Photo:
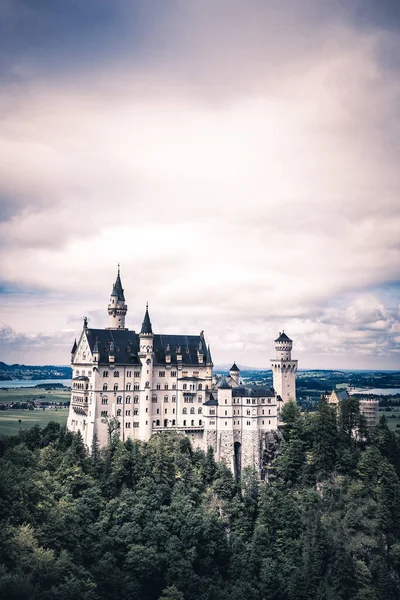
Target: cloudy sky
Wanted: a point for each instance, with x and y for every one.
(239, 158)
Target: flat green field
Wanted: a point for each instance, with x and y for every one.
(25, 394)
(9, 419)
(392, 417)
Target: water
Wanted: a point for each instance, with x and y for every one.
(25, 383)
(375, 391)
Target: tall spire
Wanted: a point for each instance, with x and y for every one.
(208, 356)
(118, 290)
(117, 308)
(146, 325)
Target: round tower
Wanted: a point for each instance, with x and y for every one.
(117, 308)
(234, 373)
(284, 369)
(146, 356)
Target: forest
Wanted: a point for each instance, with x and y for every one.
(162, 521)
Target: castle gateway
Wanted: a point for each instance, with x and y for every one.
(147, 382)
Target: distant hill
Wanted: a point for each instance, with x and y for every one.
(30, 372)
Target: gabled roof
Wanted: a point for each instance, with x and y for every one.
(146, 325)
(253, 392)
(223, 384)
(283, 338)
(126, 347)
(118, 289)
(234, 368)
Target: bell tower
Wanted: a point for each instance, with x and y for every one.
(284, 369)
(117, 308)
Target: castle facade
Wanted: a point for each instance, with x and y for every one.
(144, 383)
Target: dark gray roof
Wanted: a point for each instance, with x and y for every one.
(126, 346)
(253, 392)
(234, 368)
(117, 289)
(283, 338)
(80, 378)
(211, 402)
(341, 394)
(146, 325)
(208, 356)
(74, 347)
(223, 384)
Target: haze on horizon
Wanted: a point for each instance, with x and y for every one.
(238, 158)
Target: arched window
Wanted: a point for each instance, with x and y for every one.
(192, 411)
(199, 411)
(200, 422)
(147, 384)
(104, 400)
(184, 386)
(192, 423)
(173, 398)
(154, 398)
(135, 399)
(128, 400)
(200, 386)
(119, 400)
(116, 373)
(115, 387)
(165, 398)
(128, 386)
(105, 387)
(184, 423)
(118, 412)
(184, 411)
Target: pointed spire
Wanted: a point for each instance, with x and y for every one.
(208, 356)
(234, 368)
(74, 347)
(146, 325)
(118, 290)
(85, 323)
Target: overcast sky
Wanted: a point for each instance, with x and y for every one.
(239, 158)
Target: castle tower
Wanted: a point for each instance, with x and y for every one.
(146, 356)
(234, 372)
(117, 308)
(284, 369)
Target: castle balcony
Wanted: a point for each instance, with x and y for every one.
(179, 428)
(80, 402)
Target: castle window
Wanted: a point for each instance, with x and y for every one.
(104, 413)
(184, 411)
(147, 384)
(135, 411)
(212, 411)
(226, 413)
(192, 411)
(105, 387)
(200, 422)
(269, 411)
(128, 386)
(76, 373)
(199, 411)
(174, 386)
(173, 411)
(248, 400)
(192, 423)
(127, 425)
(173, 421)
(269, 421)
(184, 373)
(128, 400)
(184, 386)
(173, 373)
(154, 399)
(212, 422)
(116, 373)
(165, 411)
(226, 401)
(119, 400)
(158, 411)
(226, 423)
(127, 413)
(173, 398)
(158, 386)
(104, 400)
(137, 374)
(263, 422)
(184, 423)
(254, 401)
(262, 400)
(263, 412)
(206, 386)
(200, 398)
(269, 400)
(105, 373)
(115, 387)
(248, 422)
(135, 399)
(166, 386)
(200, 386)
(248, 412)
(135, 424)
(136, 387)
(165, 398)
(119, 412)
(161, 373)
(129, 373)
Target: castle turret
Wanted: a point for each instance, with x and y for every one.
(146, 357)
(284, 369)
(117, 308)
(234, 373)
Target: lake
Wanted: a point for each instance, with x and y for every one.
(25, 383)
(375, 391)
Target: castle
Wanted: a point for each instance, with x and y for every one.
(145, 383)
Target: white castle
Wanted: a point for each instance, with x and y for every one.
(147, 382)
